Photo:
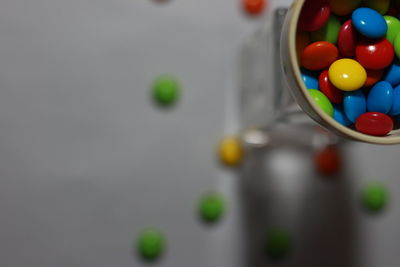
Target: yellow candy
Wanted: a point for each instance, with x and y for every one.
(230, 151)
(347, 74)
(343, 7)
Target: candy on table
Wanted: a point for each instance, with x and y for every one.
(166, 90)
(374, 197)
(278, 243)
(329, 32)
(347, 74)
(319, 55)
(230, 151)
(328, 89)
(380, 98)
(369, 22)
(310, 79)
(328, 161)
(359, 74)
(211, 207)
(375, 54)
(150, 244)
(343, 7)
(322, 101)
(254, 7)
(355, 104)
(347, 39)
(374, 123)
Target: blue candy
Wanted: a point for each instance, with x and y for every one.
(340, 116)
(393, 73)
(380, 98)
(310, 79)
(395, 110)
(369, 22)
(355, 104)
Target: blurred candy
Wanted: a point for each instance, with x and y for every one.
(211, 207)
(322, 101)
(254, 7)
(355, 104)
(230, 151)
(393, 73)
(343, 7)
(302, 41)
(393, 28)
(380, 98)
(319, 55)
(151, 244)
(347, 39)
(310, 79)
(166, 90)
(381, 6)
(328, 161)
(397, 45)
(330, 91)
(369, 22)
(329, 32)
(314, 15)
(374, 197)
(374, 123)
(395, 110)
(374, 54)
(373, 76)
(340, 116)
(278, 243)
(347, 74)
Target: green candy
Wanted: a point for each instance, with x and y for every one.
(393, 28)
(322, 101)
(211, 207)
(329, 32)
(166, 90)
(397, 45)
(374, 197)
(278, 244)
(151, 244)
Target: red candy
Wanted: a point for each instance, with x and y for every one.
(374, 123)
(330, 91)
(374, 54)
(319, 55)
(347, 39)
(328, 161)
(314, 15)
(373, 76)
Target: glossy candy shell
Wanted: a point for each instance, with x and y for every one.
(374, 123)
(347, 75)
(395, 110)
(369, 22)
(322, 101)
(329, 32)
(393, 28)
(310, 79)
(330, 91)
(347, 39)
(340, 116)
(355, 104)
(314, 15)
(380, 98)
(373, 76)
(393, 73)
(343, 7)
(375, 54)
(319, 55)
(397, 46)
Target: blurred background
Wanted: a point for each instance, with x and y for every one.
(88, 161)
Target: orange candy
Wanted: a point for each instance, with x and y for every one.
(373, 76)
(319, 55)
(328, 161)
(254, 7)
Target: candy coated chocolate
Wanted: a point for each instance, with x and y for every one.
(374, 54)
(380, 98)
(369, 22)
(314, 15)
(374, 123)
(347, 39)
(355, 104)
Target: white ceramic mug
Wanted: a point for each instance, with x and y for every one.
(299, 91)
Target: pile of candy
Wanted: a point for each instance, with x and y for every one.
(349, 54)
